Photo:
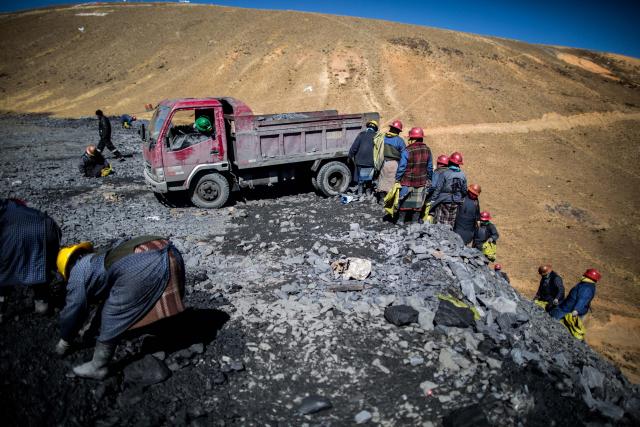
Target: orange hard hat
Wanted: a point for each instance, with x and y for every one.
(475, 189)
(91, 150)
(545, 269)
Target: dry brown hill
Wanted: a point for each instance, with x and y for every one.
(550, 133)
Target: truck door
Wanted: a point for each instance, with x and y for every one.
(186, 147)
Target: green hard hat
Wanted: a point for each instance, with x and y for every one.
(203, 124)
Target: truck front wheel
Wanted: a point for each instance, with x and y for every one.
(333, 178)
(211, 191)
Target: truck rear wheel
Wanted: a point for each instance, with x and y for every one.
(211, 191)
(333, 178)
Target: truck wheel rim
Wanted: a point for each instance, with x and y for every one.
(209, 191)
(335, 180)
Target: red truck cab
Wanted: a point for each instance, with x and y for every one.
(245, 150)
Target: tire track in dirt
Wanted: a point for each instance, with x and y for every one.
(549, 121)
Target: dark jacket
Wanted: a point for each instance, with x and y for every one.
(551, 287)
(503, 275)
(362, 149)
(579, 299)
(467, 219)
(104, 128)
(92, 166)
(419, 170)
(483, 233)
(451, 187)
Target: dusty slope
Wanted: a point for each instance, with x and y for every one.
(543, 129)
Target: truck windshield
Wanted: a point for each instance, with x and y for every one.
(159, 116)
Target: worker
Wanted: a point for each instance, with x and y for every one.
(497, 268)
(136, 282)
(395, 158)
(361, 154)
(442, 163)
(486, 236)
(104, 130)
(449, 192)
(416, 178)
(127, 121)
(551, 289)
(573, 308)
(203, 125)
(93, 164)
(30, 242)
(468, 214)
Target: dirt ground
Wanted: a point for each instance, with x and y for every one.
(550, 133)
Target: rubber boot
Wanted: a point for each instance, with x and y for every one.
(359, 190)
(97, 368)
(118, 155)
(402, 216)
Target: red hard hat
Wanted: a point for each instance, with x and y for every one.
(497, 267)
(396, 124)
(416, 133)
(592, 274)
(485, 216)
(456, 158)
(443, 159)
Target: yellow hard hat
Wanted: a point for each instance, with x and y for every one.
(67, 253)
(373, 122)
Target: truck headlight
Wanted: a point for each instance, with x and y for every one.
(159, 173)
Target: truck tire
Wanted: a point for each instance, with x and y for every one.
(211, 191)
(333, 178)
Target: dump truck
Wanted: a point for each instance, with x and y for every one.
(244, 150)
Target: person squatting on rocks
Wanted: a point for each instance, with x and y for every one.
(449, 193)
(497, 268)
(395, 158)
(104, 130)
(93, 164)
(127, 121)
(136, 282)
(416, 178)
(486, 236)
(30, 242)
(576, 305)
(551, 289)
(361, 153)
(468, 214)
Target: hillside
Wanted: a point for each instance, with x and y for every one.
(550, 133)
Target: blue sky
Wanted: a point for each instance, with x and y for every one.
(610, 26)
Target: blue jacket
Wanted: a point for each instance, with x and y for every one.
(579, 299)
(398, 144)
(451, 187)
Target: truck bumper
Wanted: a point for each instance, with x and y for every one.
(156, 186)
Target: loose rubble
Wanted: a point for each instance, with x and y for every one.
(274, 335)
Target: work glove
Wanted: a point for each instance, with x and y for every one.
(555, 301)
(574, 313)
(62, 348)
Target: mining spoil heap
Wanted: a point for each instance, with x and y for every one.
(549, 132)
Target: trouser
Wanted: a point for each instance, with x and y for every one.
(107, 143)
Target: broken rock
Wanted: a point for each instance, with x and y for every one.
(146, 371)
(313, 404)
(401, 315)
(450, 315)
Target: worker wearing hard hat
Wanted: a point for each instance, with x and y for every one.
(136, 282)
(576, 305)
(551, 288)
(361, 154)
(30, 241)
(93, 164)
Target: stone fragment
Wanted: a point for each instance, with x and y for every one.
(363, 417)
(401, 315)
(450, 315)
(313, 404)
(146, 371)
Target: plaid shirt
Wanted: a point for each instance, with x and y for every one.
(416, 173)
